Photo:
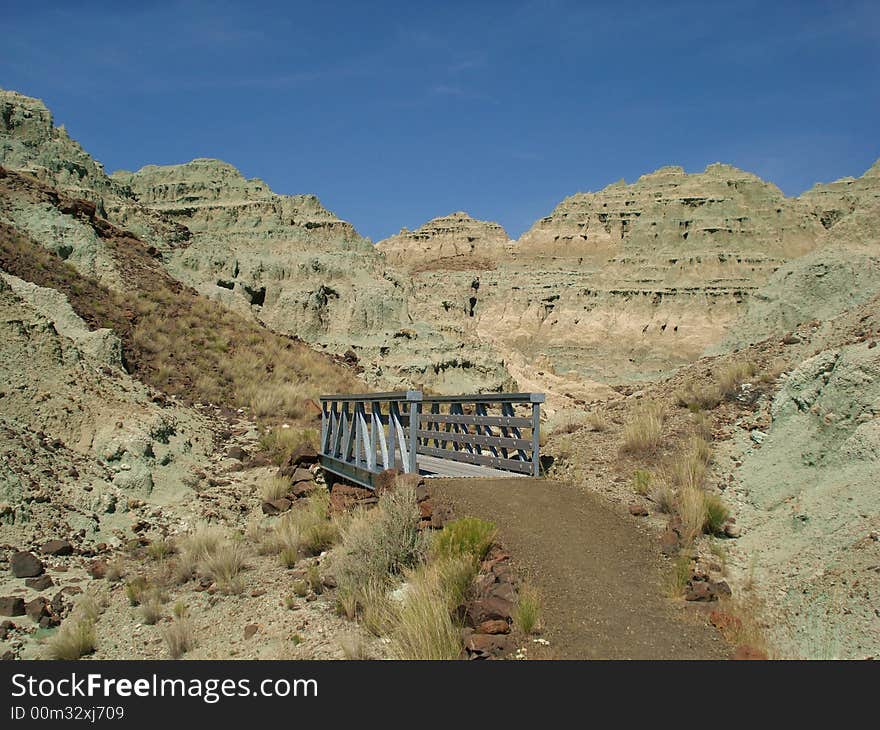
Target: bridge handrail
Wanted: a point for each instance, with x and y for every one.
(355, 444)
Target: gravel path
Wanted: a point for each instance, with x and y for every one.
(600, 577)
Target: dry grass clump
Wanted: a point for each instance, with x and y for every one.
(424, 628)
(644, 431)
(135, 589)
(225, 565)
(377, 608)
(696, 397)
(731, 375)
(160, 549)
(280, 443)
(664, 497)
(76, 636)
(179, 637)
(689, 466)
(691, 508)
(354, 648)
(680, 574)
(303, 531)
(115, 571)
(700, 512)
(706, 396)
(528, 610)
(74, 639)
(573, 421)
(211, 552)
(772, 372)
(275, 487)
(596, 421)
(151, 607)
(717, 513)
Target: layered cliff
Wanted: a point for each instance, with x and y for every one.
(454, 236)
(625, 283)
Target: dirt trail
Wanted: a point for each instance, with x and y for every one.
(599, 575)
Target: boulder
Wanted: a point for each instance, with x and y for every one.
(25, 565)
(276, 506)
(638, 510)
(301, 455)
(490, 608)
(40, 583)
(484, 646)
(426, 509)
(57, 547)
(302, 489)
(11, 606)
(494, 626)
(37, 609)
(250, 630)
(346, 496)
(237, 453)
(97, 569)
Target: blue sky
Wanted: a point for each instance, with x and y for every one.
(393, 113)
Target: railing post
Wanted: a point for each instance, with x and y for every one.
(536, 399)
(415, 406)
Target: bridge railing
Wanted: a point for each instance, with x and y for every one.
(364, 434)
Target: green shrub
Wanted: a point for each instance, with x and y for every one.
(379, 543)
(717, 513)
(528, 610)
(642, 480)
(469, 536)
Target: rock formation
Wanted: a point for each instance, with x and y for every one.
(454, 235)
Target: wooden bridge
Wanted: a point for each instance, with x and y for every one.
(479, 435)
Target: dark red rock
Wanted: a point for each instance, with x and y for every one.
(699, 591)
(302, 489)
(37, 609)
(426, 509)
(57, 547)
(25, 565)
(483, 646)
(276, 506)
(250, 630)
(237, 453)
(503, 590)
(638, 510)
(301, 475)
(487, 609)
(97, 569)
(11, 606)
(40, 583)
(494, 626)
(346, 496)
(301, 455)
